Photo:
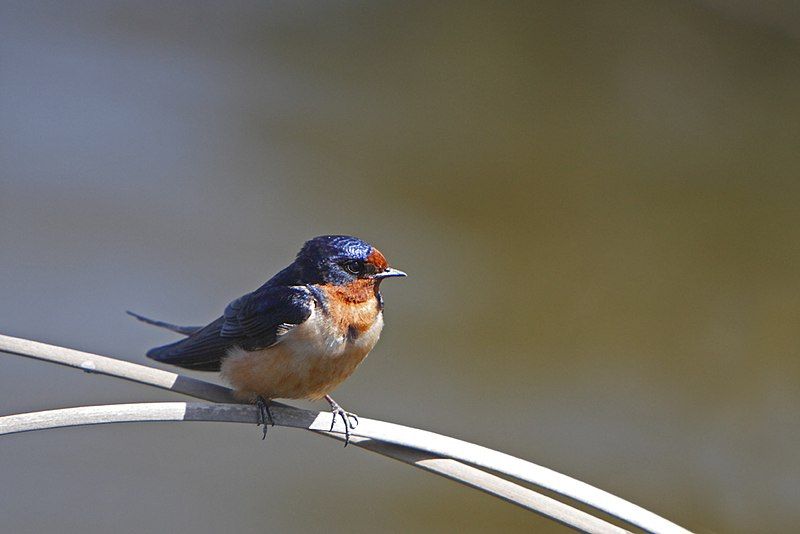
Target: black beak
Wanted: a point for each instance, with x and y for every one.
(389, 272)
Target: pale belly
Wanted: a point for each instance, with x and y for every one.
(308, 362)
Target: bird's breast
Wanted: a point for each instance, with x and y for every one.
(336, 333)
(312, 358)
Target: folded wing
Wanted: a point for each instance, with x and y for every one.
(254, 321)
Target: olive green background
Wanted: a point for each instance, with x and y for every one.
(597, 204)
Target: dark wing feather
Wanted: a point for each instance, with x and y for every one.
(254, 321)
(258, 319)
(201, 351)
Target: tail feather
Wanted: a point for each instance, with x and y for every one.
(185, 330)
(202, 349)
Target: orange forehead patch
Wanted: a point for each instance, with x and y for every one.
(377, 259)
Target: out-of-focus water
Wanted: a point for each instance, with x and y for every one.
(597, 205)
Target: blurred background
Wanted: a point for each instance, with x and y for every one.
(597, 203)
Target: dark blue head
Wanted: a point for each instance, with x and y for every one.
(342, 259)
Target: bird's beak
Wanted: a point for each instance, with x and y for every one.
(389, 272)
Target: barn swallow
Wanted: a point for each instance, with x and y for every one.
(297, 336)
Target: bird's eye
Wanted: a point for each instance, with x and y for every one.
(354, 267)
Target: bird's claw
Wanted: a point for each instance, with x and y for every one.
(264, 415)
(350, 420)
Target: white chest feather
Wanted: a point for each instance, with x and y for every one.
(321, 337)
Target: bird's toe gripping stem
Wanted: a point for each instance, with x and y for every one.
(264, 415)
(350, 420)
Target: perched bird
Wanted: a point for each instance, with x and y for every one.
(297, 336)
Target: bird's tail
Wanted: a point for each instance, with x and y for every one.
(185, 330)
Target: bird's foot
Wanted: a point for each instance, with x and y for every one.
(350, 420)
(264, 415)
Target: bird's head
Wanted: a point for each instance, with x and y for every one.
(342, 259)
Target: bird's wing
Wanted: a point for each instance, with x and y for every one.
(255, 321)
(258, 320)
